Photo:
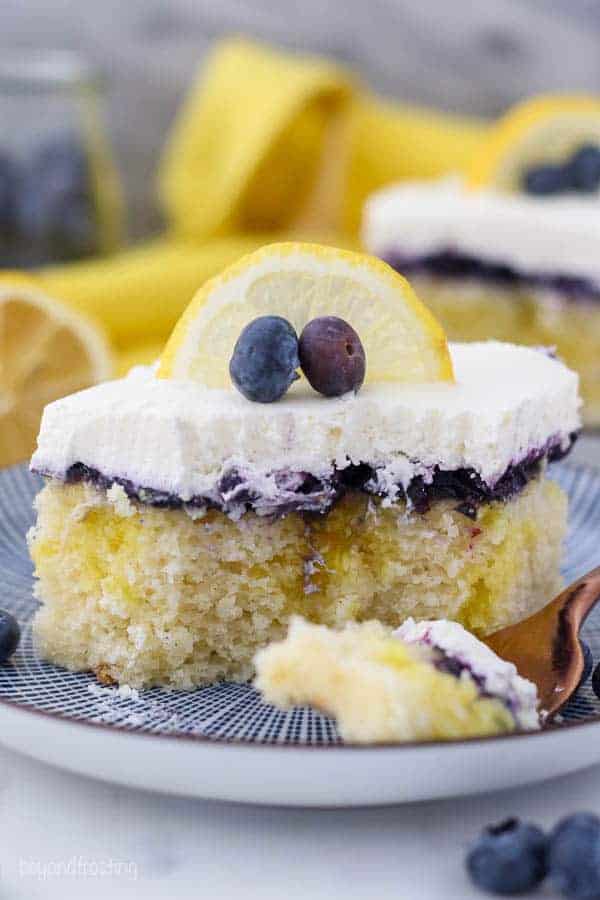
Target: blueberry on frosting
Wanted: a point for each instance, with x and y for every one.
(267, 354)
(332, 356)
(545, 180)
(580, 172)
(583, 169)
(265, 359)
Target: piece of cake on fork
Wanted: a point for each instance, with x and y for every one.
(182, 524)
(422, 681)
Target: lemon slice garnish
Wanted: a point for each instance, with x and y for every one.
(403, 342)
(46, 352)
(546, 129)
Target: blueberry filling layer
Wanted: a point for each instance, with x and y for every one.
(453, 665)
(451, 264)
(279, 493)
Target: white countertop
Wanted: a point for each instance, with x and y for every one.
(167, 846)
(190, 849)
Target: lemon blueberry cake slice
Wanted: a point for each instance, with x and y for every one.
(185, 518)
(423, 681)
(511, 251)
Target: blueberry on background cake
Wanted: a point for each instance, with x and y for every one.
(182, 525)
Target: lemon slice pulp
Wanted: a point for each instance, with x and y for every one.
(403, 342)
(545, 129)
(46, 352)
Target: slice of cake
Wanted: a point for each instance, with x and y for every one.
(421, 682)
(182, 525)
(511, 251)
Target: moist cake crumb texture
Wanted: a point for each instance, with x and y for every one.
(148, 596)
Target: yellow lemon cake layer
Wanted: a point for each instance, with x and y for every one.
(143, 596)
(428, 681)
(182, 526)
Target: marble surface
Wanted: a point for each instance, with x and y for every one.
(170, 847)
(63, 836)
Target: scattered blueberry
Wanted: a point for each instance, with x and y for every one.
(509, 858)
(596, 681)
(545, 180)
(10, 634)
(588, 662)
(332, 356)
(583, 169)
(265, 359)
(574, 857)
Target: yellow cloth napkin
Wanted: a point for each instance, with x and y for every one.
(266, 145)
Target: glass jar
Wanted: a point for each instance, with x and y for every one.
(59, 191)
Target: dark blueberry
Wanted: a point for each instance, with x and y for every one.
(545, 180)
(265, 359)
(588, 661)
(574, 857)
(332, 356)
(509, 858)
(10, 634)
(583, 169)
(596, 681)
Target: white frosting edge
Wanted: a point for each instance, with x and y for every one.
(499, 677)
(534, 235)
(180, 437)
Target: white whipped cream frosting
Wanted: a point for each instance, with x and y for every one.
(558, 235)
(180, 436)
(497, 676)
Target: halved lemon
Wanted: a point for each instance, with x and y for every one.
(46, 352)
(403, 341)
(545, 129)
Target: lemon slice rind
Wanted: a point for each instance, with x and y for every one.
(46, 352)
(545, 129)
(403, 342)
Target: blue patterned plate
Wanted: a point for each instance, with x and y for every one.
(227, 717)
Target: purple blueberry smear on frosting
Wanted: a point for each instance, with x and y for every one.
(456, 652)
(238, 490)
(449, 263)
(332, 356)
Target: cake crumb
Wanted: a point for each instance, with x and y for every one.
(103, 675)
(121, 502)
